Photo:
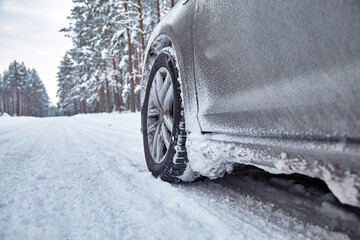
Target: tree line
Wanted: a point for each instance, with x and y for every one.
(22, 93)
(102, 72)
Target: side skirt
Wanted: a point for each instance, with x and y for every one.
(337, 163)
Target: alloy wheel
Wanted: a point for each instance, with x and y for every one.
(160, 115)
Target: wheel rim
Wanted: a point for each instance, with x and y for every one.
(160, 115)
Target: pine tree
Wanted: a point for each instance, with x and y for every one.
(22, 92)
(109, 39)
(66, 86)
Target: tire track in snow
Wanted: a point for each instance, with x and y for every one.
(16, 177)
(148, 188)
(16, 125)
(86, 178)
(222, 211)
(271, 215)
(108, 127)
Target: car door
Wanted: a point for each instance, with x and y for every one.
(278, 68)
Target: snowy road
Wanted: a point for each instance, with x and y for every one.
(84, 177)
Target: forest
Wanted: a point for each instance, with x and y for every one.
(22, 93)
(102, 72)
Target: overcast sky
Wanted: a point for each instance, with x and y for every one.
(29, 32)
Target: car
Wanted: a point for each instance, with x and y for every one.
(274, 84)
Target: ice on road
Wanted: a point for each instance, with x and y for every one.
(84, 177)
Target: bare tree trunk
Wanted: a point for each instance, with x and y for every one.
(83, 106)
(142, 39)
(6, 106)
(130, 68)
(23, 107)
(109, 106)
(101, 99)
(13, 104)
(158, 10)
(32, 110)
(117, 98)
(74, 103)
(172, 3)
(17, 102)
(120, 89)
(142, 52)
(4, 103)
(137, 79)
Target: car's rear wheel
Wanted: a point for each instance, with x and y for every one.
(163, 123)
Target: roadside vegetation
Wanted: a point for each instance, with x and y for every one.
(22, 93)
(102, 72)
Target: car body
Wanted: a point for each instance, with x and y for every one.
(275, 84)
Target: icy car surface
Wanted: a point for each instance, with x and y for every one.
(275, 84)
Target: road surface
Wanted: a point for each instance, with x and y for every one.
(84, 177)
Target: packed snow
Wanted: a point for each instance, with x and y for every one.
(213, 155)
(85, 177)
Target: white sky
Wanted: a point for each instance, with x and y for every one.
(29, 32)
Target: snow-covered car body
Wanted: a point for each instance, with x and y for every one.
(273, 84)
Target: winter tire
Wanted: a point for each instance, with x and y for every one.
(163, 123)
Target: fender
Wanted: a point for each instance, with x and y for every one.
(171, 32)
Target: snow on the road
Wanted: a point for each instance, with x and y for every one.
(84, 177)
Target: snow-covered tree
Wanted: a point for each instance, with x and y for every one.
(109, 39)
(66, 83)
(22, 92)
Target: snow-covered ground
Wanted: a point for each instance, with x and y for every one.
(84, 177)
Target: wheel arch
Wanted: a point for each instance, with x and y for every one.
(165, 35)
